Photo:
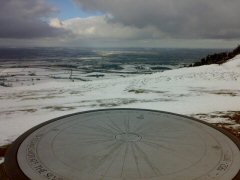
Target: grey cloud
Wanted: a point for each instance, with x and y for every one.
(210, 19)
(25, 19)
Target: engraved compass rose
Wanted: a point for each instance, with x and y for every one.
(126, 144)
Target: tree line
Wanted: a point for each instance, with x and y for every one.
(217, 58)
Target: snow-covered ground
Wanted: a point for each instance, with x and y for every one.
(190, 91)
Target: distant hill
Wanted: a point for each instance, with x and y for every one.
(217, 58)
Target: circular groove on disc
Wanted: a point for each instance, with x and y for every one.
(116, 144)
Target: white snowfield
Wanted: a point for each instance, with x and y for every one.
(189, 91)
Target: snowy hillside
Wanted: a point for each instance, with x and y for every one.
(202, 92)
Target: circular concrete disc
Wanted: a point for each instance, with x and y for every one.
(127, 144)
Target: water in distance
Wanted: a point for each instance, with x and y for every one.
(93, 63)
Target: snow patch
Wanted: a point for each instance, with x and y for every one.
(188, 91)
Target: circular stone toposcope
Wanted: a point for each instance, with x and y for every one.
(116, 144)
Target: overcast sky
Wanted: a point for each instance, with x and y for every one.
(120, 23)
